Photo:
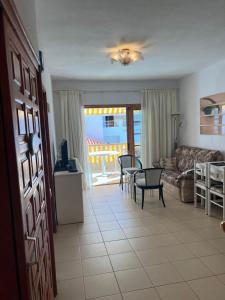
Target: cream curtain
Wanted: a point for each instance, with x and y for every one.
(72, 115)
(157, 124)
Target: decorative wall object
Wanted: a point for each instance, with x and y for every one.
(212, 115)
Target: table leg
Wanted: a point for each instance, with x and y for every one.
(131, 185)
(104, 166)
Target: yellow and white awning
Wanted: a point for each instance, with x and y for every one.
(105, 111)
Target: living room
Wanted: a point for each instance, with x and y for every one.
(118, 171)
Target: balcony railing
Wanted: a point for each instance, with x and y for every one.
(97, 160)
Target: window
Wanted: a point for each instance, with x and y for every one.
(109, 121)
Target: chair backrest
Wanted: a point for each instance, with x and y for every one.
(138, 163)
(127, 161)
(152, 176)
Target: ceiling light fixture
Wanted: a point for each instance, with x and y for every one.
(125, 53)
(126, 56)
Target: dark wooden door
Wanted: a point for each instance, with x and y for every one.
(9, 288)
(26, 166)
(49, 163)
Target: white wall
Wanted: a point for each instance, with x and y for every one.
(193, 87)
(26, 10)
(112, 91)
(47, 82)
(105, 92)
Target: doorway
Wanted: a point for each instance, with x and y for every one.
(111, 131)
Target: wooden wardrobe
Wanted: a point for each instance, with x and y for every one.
(27, 265)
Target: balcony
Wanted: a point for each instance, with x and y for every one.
(104, 162)
(108, 129)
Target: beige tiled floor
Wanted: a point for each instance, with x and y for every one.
(163, 274)
(133, 279)
(124, 253)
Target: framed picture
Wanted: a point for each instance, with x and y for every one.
(212, 114)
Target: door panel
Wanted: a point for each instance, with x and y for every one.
(9, 288)
(134, 129)
(49, 180)
(23, 77)
(137, 124)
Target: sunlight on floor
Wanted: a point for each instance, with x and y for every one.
(109, 178)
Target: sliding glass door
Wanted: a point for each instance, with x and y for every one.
(134, 124)
(106, 136)
(111, 131)
(137, 117)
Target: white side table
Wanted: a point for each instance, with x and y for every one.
(69, 197)
(130, 175)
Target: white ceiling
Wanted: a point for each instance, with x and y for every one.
(183, 36)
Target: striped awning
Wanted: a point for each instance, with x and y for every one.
(105, 111)
(92, 142)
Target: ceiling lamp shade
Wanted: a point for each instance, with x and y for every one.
(125, 53)
(125, 56)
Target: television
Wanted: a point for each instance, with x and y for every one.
(64, 152)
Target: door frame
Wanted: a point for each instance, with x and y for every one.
(50, 188)
(130, 121)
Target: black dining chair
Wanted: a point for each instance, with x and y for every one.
(129, 164)
(148, 179)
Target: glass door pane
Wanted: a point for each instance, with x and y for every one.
(106, 134)
(137, 124)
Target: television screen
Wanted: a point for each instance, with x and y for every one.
(64, 152)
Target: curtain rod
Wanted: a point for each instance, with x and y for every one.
(101, 91)
(113, 91)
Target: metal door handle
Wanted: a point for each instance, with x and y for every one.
(34, 240)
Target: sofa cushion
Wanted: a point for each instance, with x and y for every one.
(208, 155)
(185, 157)
(168, 163)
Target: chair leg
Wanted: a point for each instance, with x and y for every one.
(135, 194)
(122, 181)
(209, 204)
(161, 194)
(143, 198)
(223, 209)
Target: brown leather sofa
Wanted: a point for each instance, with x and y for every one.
(178, 176)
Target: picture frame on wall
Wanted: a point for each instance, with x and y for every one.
(212, 115)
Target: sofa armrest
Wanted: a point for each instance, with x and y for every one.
(186, 175)
(190, 171)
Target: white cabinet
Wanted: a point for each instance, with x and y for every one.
(69, 197)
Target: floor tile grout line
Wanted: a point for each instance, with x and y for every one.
(209, 267)
(153, 285)
(151, 248)
(112, 267)
(115, 271)
(193, 289)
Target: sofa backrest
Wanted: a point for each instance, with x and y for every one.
(186, 155)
